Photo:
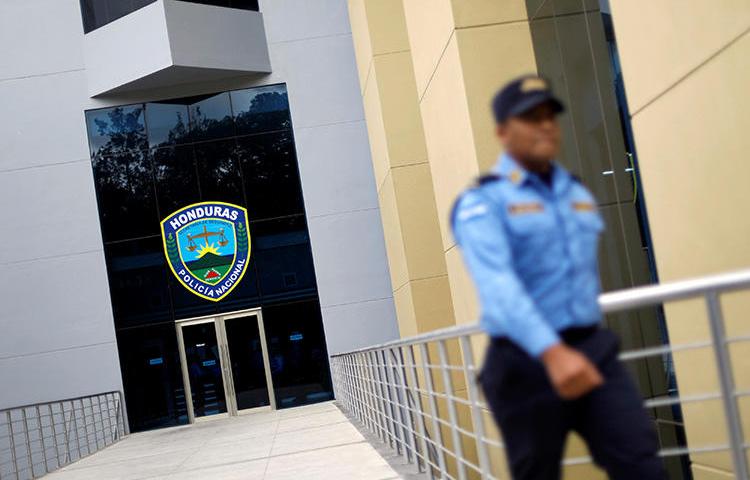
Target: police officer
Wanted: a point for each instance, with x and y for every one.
(529, 233)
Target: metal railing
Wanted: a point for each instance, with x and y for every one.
(420, 394)
(38, 439)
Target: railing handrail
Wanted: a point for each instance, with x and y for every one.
(609, 302)
(50, 402)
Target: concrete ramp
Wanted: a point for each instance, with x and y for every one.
(304, 443)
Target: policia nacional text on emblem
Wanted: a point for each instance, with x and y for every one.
(207, 247)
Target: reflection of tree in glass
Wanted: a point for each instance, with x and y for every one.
(271, 177)
(177, 134)
(268, 111)
(123, 130)
(205, 127)
(122, 172)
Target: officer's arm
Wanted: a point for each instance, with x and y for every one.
(484, 243)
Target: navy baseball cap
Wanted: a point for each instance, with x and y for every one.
(521, 95)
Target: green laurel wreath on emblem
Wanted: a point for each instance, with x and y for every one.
(172, 253)
(241, 237)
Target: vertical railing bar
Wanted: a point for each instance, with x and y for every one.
(54, 435)
(433, 407)
(408, 398)
(75, 426)
(112, 435)
(362, 392)
(353, 388)
(28, 440)
(41, 438)
(352, 391)
(13, 456)
(407, 427)
(386, 405)
(726, 382)
(100, 423)
(382, 432)
(418, 405)
(448, 385)
(476, 411)
(395, 410)
(368, 392)
(122, 415)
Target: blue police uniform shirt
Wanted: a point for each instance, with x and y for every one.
(531, 249)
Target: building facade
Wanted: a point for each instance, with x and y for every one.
(315, 149)
(654, 122)
(119, 114)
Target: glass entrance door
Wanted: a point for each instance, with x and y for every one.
(225, 364)
(204, 367)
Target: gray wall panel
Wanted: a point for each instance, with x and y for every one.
(42, 121)
(39, 37)
(335, 168)
(74, 311)
(50, 210)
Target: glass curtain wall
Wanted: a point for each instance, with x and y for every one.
(154, 158)
(576, 51)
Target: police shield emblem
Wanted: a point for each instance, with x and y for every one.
(207, 246)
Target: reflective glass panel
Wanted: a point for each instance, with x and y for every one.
(211, 117)
(219, 172)
(246, 358)
(152, 377)
(261, 109)
(125, 189)
(176, 178)
(168, 124)
(116, 130)
(269, 170)
(204, 369)
(282, 251)
(297, 353)
(138, 282)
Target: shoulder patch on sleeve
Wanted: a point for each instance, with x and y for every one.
(464, 209)
(486, 178)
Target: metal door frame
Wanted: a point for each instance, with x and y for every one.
(225, 362)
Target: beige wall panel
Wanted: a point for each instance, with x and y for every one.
(400, 109)
(691, 148)
(661, 41)
(450, 144)
(484, 12)
(490, 57)
(432, 303)
(465, 300)
(701, 472)
(387, 26)
(690, 144)
(376, 130)
(394, 241)
(418, 217)
(407, 317)
(361, 39)
(430, 26)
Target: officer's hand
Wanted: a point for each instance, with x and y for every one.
(571, 373)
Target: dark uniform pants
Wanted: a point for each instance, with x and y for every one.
(535, 421)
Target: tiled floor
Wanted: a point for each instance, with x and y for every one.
(305, 443)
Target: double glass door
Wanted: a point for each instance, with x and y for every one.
(225, 365)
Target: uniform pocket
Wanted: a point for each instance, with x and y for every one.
(588, 226)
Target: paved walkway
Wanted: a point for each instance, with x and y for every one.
(305, 443)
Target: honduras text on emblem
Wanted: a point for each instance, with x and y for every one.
(207, 247)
